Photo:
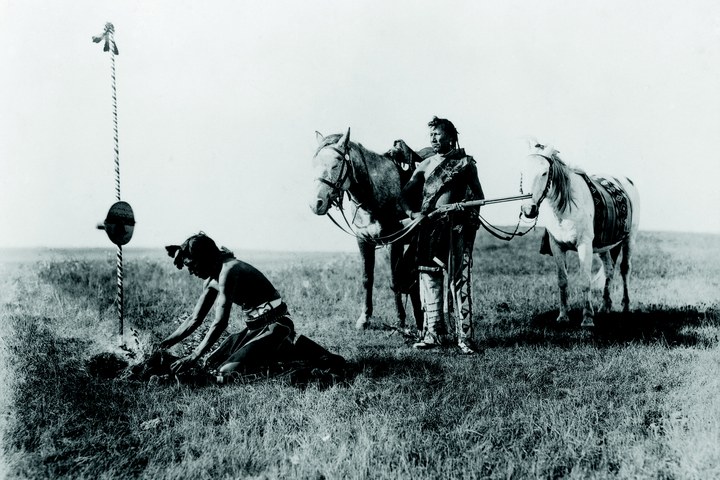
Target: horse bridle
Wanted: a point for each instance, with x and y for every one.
(336, 197)
(547, 183)
(345, 167)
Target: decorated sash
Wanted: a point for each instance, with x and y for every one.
(442, 176)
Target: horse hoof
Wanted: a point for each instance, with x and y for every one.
(587, 322)
(362, 323)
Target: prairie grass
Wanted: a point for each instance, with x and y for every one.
(635, 398)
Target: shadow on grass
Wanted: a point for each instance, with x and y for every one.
(301, 376)
(373, 363)
(65, 418)
(673, 327)
(375, 366)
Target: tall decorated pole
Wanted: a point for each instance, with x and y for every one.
(120, 222)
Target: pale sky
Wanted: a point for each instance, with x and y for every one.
(218, 102)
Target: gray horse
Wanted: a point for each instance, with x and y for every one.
(373, 183)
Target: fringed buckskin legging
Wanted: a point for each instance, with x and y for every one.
(457, 294)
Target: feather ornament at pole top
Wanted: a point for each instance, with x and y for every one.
(107, 35)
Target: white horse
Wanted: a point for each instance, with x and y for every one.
(583, 213)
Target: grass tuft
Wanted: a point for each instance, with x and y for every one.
(633, 398)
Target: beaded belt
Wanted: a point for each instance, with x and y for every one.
(263, 308)
(264, 314)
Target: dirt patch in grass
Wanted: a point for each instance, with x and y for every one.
(106, 365)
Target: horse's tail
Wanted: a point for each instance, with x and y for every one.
(632, 191)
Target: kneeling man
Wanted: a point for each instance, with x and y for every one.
(269, 336)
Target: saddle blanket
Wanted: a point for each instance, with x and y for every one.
(613, 212)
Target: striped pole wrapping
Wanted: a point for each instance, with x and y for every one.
(115, 118)
(108, 36)
(120, 290)
(120, 296)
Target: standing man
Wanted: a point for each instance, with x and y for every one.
(444, 242)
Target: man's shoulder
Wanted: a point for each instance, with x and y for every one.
(462, 155)
(236, 265)
(231, 267)
(467, 161)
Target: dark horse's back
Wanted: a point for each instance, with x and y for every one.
(406, 159)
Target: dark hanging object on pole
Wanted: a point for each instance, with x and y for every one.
(120, 221)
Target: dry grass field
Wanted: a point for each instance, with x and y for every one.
(637, 397)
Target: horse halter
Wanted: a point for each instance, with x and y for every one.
(345, 167)
(547, 183)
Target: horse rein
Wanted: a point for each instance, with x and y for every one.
(336, 196)
(507, 236)
(547, 183)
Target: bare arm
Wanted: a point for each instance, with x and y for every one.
(202, 307)
(222, 318)
(223, 300)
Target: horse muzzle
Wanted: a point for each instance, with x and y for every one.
(530, 210)
(321, 198)
(320, 206)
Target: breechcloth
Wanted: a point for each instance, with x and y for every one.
(269, 342)
(268, 339)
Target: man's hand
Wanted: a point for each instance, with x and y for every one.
(450, 207)
(158, 346)
(405, 222)
(183, 364)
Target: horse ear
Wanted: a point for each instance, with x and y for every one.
(319, 137)
(538, 145)
(172, 250)
(531, 142)
(344, 140)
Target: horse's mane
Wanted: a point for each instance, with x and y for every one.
(371, 193)
(329, 140)
(333, 139)
(559, 176)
